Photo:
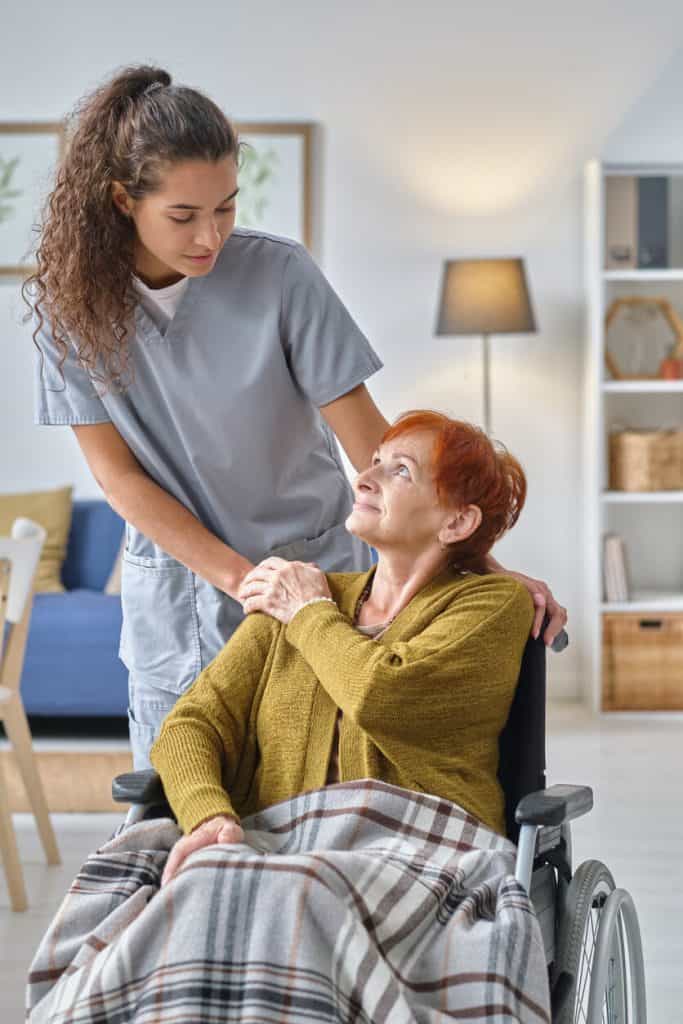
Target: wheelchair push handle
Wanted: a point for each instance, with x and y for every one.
(560, 642)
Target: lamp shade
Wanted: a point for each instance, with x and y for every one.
(488, 296)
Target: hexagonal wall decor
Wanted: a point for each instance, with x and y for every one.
(666, 310)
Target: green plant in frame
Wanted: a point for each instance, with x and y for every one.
(256, 174)
(7, 169)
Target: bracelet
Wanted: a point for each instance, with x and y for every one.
(314, 600)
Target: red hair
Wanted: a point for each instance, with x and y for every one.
(470, 469)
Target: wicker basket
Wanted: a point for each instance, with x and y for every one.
(642, 662)
(646, 460)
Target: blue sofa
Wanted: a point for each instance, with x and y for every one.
(72, 666)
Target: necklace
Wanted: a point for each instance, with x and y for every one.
(365, 594)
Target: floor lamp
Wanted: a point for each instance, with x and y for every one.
(485, 296)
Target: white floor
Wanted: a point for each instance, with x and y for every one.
(634, 767)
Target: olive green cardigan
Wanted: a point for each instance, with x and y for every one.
(423, 705)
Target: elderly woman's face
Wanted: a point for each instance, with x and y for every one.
(396, 504)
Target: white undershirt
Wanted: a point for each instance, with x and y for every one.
(160, 303)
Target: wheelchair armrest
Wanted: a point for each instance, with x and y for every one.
(142, 787)
(554, 806)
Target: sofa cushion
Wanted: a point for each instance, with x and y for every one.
(52, 510)
(94, 542)
(71, 665)
(113, 584)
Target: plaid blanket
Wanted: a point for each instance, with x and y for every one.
(360, 902)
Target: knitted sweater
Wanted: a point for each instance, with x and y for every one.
(423, 706)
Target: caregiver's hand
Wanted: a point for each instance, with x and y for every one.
(279, 588)
(543, 599)
(220, 829)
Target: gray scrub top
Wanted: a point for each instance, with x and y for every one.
(222, 412)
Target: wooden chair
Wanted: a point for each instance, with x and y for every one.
(19, 555)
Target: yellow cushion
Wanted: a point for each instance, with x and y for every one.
(52, 509)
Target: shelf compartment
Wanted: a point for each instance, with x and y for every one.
(643, 661)
(654, 554)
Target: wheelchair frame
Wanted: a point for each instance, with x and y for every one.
(585, 920)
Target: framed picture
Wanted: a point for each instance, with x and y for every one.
(275, 179)
(275, 183)
(29, 153)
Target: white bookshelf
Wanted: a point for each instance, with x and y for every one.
(651, 523)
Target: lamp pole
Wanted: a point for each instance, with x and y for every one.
(487, 383)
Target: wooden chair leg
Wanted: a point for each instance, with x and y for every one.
(10, 853)
(19, 735)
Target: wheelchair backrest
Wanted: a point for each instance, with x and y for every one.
(521, 768)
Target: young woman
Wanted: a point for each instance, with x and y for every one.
(207, 372)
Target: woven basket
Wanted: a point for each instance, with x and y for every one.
(642, 662)
(646, 460)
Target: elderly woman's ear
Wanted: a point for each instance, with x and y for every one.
(460, 525)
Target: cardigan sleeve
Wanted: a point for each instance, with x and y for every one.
(421, 692)
(201, 740)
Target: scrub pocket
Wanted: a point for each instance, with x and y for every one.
(160, 633)
(147, 709)
(334, 550)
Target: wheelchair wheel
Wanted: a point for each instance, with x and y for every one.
(586, 897)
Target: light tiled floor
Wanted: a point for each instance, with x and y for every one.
(635, 768)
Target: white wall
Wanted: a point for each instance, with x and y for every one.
(445, 130)
(652, 130)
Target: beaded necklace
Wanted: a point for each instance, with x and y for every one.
(365, 594)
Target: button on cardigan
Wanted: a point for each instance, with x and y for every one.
(423, 706)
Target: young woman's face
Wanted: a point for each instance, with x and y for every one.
(182, 227)
(396, 505)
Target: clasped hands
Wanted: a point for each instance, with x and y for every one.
(280, 588)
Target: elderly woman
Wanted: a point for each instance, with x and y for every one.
(403, 674)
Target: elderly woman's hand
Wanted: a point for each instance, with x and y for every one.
(280, 588)
(220, 829)
(544, 602)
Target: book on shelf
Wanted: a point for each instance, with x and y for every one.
(643, 221)
(653, 226)
(615, 569)
(621, 223)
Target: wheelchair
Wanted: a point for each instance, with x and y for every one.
(589, 926)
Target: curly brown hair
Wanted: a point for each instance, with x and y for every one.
(129, 130)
